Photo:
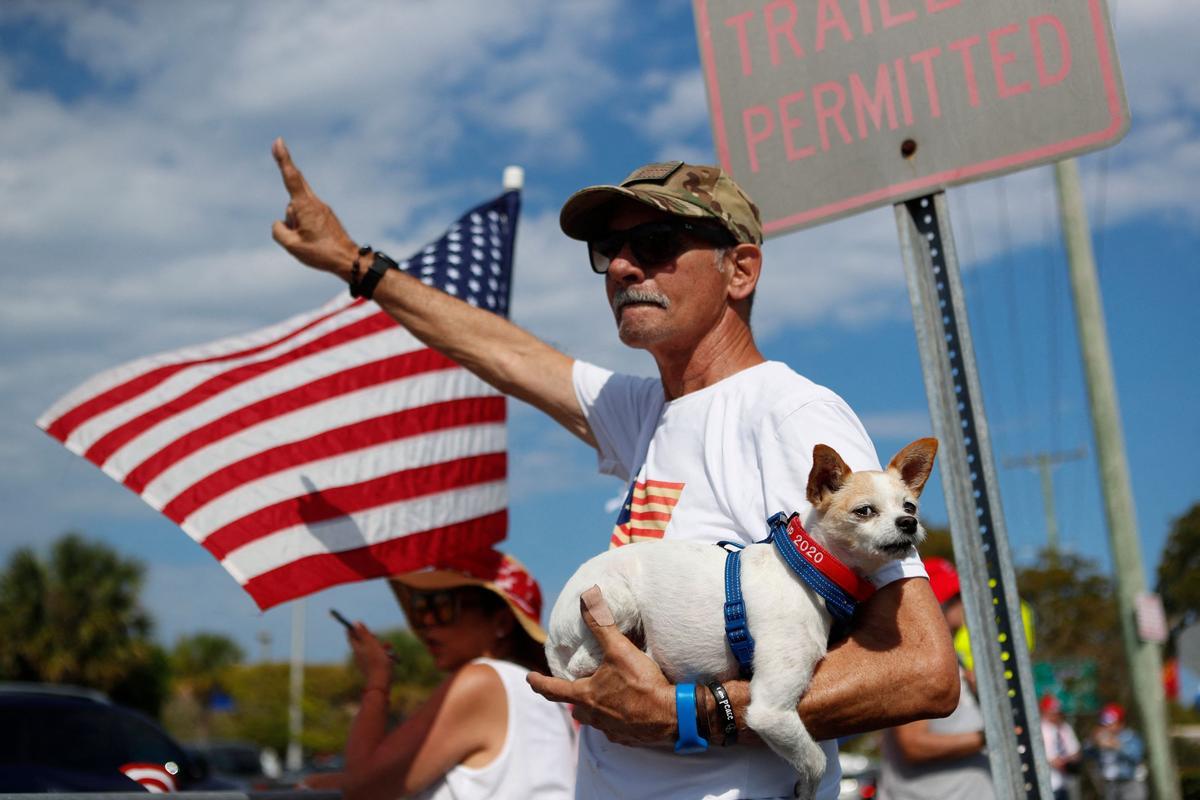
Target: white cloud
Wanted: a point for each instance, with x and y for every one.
(683, 109)
(1157, 48)
(137, 211)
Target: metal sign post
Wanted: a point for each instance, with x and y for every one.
(825, 109)
(1002, 672)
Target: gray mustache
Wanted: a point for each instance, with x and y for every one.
(634, 294)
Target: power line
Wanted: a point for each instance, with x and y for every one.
(1073, 486)
(1053, 318)
(974, 290)
(1043, 462)
(1016, 341)
(1101, 202)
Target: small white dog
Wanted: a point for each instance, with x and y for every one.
(672, 593)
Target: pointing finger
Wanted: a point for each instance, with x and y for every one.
(293, 179)
(553, 689)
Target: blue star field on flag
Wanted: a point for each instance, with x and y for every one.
(473, 259)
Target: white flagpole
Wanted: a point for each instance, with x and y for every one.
(295, 754)
(514, 177)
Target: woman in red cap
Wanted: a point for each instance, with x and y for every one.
(483, 733)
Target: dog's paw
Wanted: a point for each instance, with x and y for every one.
(583, 662)
(806, 787)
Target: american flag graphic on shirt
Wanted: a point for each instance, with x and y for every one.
(646, 512)
(331, 447)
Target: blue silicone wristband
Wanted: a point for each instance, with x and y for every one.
(689, 741)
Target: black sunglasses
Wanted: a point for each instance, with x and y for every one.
(440, 607)
(652, 243)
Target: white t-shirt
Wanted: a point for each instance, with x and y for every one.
(964, 778)
(712, 465)
(1060, 742)
(539, 754)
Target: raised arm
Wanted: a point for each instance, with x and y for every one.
(502, 354)
(465, 720)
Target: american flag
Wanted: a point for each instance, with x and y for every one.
(332, 447)
(646, 512)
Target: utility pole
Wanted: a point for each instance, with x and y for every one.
(1042, 462)
(1145, 658)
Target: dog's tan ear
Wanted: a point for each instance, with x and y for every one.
(828, 473)
(914, 463)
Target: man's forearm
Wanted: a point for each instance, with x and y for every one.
(504, 355)
(482, 341)
(897, 666)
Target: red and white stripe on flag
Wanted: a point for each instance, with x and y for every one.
(329, 448)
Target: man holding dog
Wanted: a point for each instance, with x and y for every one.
(719, 442)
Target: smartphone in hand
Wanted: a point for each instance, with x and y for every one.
(333, 612)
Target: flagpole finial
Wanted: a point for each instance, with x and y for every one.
(514, 177)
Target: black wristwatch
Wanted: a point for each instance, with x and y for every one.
(365, 286)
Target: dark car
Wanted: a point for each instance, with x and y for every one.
(239, 763)
(66, 739)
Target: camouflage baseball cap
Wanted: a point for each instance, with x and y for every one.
(683, 190)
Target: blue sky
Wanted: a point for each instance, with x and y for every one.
(138, 193)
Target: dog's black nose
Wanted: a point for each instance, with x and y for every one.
(907, 525)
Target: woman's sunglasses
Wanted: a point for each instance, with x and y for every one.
(652, 243)
(440, 607)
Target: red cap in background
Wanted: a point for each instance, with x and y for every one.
(943, 578)
(1111, 713)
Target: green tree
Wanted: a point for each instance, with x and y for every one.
(1075, 617)
(260, 706)
(332, 693)
(415, 674)
(75, 617)
(1179, 569)
(198, 661)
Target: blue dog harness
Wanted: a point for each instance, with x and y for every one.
(737, 631)
(838, 585)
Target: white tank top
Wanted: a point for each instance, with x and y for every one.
(539, 754)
